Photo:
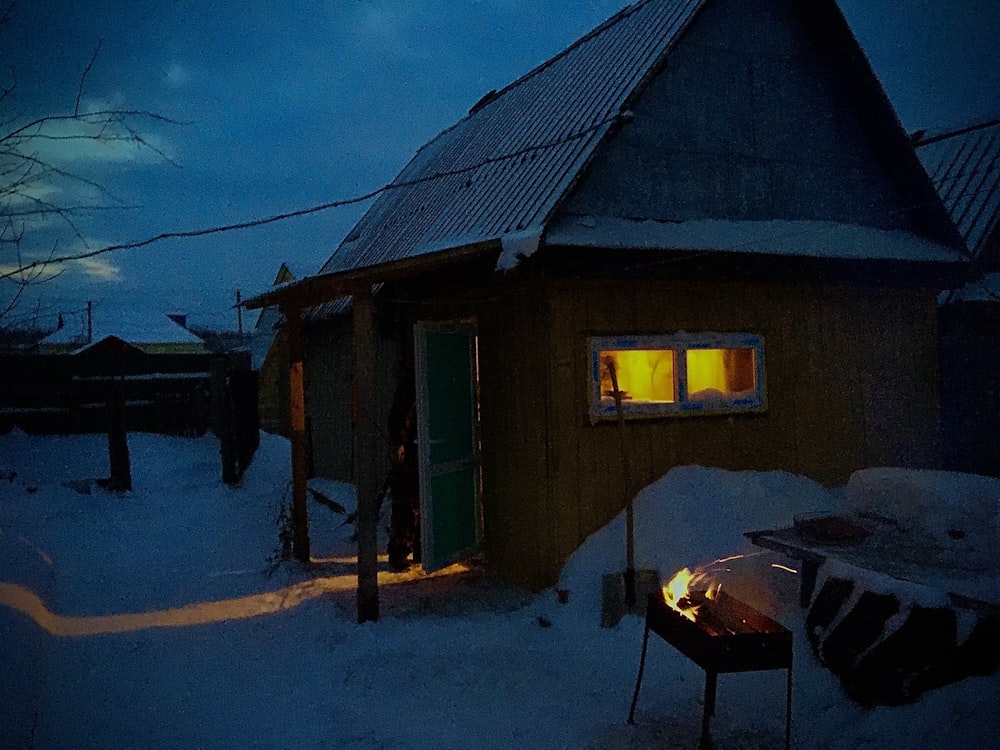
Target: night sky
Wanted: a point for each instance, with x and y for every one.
(286, 104)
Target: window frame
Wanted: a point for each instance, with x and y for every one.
(680, 344)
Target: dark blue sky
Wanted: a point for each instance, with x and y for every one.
(292, 103)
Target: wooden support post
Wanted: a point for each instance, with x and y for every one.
(118, 456)
(366, 454)
(297, 409)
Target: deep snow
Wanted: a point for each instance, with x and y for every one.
(158, 619)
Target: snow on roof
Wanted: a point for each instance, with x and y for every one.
(156, 329)
(817, 239)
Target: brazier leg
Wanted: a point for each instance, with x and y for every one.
(788, 713)
(711, 679)
(638, 679)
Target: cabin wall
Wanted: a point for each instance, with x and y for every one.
(749, 120)
(514, 362)
(851, 381)
(851, 378)
(328, 372)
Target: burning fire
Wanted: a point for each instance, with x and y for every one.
(680, 595)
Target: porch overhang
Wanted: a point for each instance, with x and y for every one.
(294, 297)
(324, 287)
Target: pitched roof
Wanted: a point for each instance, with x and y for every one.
(503, 167)
(158, 329)
(267, 323)
(964, 165)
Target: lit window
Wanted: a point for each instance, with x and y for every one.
(683, 373)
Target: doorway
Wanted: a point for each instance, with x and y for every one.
(446, 370)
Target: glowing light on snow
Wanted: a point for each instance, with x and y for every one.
(26, 601)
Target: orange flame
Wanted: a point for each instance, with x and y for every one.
(677, 591)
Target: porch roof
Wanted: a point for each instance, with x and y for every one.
(322, 288)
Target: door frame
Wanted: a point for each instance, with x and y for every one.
(426, 471)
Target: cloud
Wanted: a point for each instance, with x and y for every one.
(28, 197)
(99, 134)
(97, 269)
(13, 272)
(393, 28)
(177, 75)
(52, 202)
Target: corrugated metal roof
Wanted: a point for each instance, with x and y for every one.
(964, 166)
(503, 166)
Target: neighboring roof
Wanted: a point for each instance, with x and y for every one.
(284, 274)
(503, 166)
(267, 322)
(157, 329)
(983, 289)
(109, 345)
(964, 165)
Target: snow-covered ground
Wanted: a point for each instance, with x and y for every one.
(158, 619)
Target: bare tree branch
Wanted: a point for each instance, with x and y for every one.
(91, 117)
(34, 179)
(83, 78)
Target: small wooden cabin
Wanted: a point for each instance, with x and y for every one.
(705, 211)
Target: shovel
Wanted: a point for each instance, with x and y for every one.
(619, 592)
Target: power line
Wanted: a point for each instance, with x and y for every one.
(318, 208)
(252, 223)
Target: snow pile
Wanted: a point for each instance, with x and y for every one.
(941, 510)
(692, 517)
(303, 674)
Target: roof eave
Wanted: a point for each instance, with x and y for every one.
(315, 290)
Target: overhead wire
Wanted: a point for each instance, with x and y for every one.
(297, 213)
(388, 187)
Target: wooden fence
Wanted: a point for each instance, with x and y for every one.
(169, 394)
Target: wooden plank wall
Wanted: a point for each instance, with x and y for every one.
(851, 376)
(329, 363)
(851, 382)
(272, 395)
(970, 390)
(514, 360)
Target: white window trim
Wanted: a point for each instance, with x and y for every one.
(680, 343)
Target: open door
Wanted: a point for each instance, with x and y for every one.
(447, 441)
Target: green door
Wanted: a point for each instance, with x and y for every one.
(447, 441)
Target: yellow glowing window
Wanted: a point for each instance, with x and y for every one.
(683, 373)
(641, 375)
(720, 373)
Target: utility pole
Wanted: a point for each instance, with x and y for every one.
(239, 313)
(90, 322)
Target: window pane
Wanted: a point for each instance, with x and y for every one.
(720, 373)
(644, 375)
